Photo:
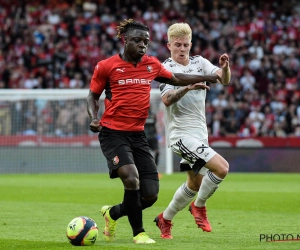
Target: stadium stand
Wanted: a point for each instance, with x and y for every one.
(56, 44)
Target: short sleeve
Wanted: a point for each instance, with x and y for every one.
(163, 72)
(208, 67)
(164, 88)
(99, 78)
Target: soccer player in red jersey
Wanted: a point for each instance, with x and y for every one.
(126, 80)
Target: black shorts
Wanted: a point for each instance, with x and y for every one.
(153, 143)
(121, 148)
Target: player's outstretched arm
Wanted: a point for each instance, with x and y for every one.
(92, 109)
(179, 79)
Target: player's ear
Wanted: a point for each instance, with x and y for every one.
(169, 46)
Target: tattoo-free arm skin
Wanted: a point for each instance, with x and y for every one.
(92, 109)
(92, 104)
(180, 79)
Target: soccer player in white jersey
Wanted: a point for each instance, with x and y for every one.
(186, 131)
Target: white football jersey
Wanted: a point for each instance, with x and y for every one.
(186, 118)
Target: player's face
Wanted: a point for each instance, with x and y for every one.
(180, 49)
(136, 43)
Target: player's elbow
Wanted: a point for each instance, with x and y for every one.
(167, 104)
(166, 101)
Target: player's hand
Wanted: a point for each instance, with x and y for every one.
(95, 126)
(198, 85)
(224, 61)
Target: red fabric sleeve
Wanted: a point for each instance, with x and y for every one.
(164, 72)
(99, 79)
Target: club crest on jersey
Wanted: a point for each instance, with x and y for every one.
(115, 160)
(149, 68)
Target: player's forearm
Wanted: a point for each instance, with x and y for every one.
(186, 79)
(173, 96)
(92, 106)
(226, 76)
(92, 110)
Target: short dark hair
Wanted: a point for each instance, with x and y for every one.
(130, 24)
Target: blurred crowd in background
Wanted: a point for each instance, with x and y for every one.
(56, 44)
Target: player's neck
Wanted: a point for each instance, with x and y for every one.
(129, 59)
(181, 62)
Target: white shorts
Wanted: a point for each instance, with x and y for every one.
(192, 150)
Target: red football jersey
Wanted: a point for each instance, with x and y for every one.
(127, 90)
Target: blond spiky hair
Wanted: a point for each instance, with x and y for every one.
(179, 30)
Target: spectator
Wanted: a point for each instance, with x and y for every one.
(220, 101)
(257, 117)
(31, 82)
(268, 122)
(256, 50)
(247, 129)
(76, 82)
(280, 48)
(64, 80)
(278, 130)
(65, 115)
(81, 118)
(247, 81)
(231, 128)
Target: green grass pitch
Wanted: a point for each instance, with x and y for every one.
(35, 210)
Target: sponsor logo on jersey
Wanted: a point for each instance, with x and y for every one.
(172, 65)
(199, 69)
(194, 62)
(134, 81)
(149, 68)
(187, 71)
(121, 70)
(115, 160)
